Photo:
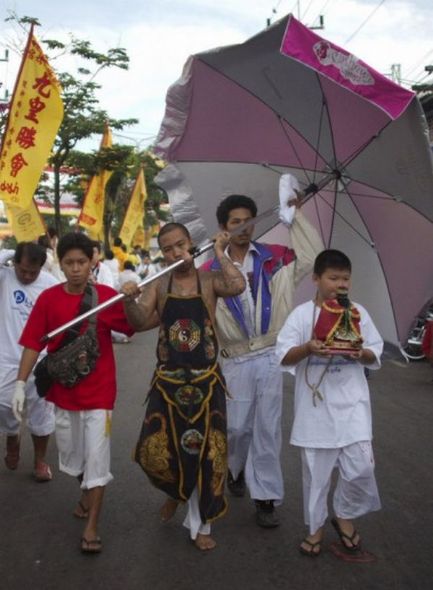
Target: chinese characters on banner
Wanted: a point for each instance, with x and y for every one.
(35, 116)
(92, 213)
(135, 211)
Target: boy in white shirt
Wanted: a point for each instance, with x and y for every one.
(332, 419)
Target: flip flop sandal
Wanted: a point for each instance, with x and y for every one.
(310, 552)
(84, 512)
(91, 546)
(352, 548)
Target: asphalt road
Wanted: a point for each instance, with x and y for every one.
(39, 538)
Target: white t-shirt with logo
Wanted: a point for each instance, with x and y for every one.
(16, 302)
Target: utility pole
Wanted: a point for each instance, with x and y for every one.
(396, 73)
(321, 24)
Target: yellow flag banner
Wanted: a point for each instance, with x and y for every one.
(135, 211)
(35, 115)
(92, 213)
(27, 224)
(139, 238)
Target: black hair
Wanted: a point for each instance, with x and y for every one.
(168, 227)
(109, 254)
(33, 253)
(234, 202)
(75, 241)
(44, 241)
(52, 232)
(97, 244)
(117, 242)
(127, 265)
(331, 259)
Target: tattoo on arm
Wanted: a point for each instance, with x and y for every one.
(229, 281)
(143, 314)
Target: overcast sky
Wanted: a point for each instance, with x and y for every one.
(160, 35)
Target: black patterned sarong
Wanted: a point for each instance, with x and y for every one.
(183, 442)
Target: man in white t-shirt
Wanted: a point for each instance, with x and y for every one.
(113, 265)
(100, 273)
(146, 269)
(20, 286)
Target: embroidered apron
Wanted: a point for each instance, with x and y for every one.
(183, 440)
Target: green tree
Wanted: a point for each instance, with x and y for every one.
(119, 189)
(125, 163)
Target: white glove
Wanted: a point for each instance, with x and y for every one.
(18, 400)
(288, 187)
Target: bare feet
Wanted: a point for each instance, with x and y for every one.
(168, 509)
(81, 511)
(12, 452)
(204, 542)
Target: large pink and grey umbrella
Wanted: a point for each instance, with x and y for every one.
(287, 100)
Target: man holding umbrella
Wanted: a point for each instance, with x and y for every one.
(247, 327)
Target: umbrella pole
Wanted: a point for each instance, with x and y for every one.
(314, 188)
(195, 252)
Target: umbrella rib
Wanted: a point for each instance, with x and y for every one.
(322, 231)
(319, 134)
(281, 119)
(331, 132)
(361, 148)
(352, 227)
(372, 243)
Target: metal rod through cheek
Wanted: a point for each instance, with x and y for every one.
(195, 253)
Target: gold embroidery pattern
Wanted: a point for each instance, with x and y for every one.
(154, 455)
(218, 455)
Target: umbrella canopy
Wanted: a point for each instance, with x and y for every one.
(286, 100)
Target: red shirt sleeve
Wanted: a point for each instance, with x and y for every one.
(37, 324)
(114, 316)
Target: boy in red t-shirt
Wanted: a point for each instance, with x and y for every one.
(83, 412)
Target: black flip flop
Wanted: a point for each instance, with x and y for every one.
(310, 552)
(354, 547)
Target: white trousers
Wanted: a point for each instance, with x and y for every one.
(193, 520)
(356, 490)
(40, 413)
(83, 442)
(255, 385)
